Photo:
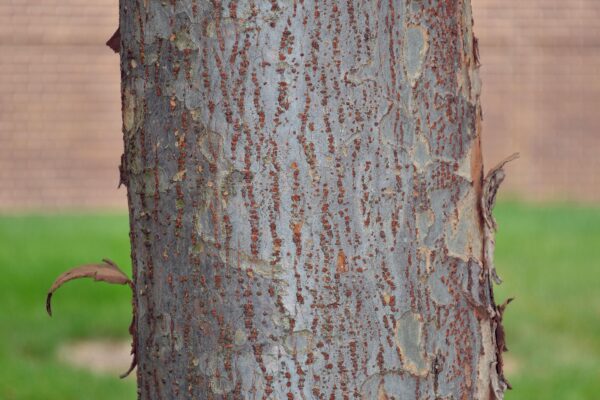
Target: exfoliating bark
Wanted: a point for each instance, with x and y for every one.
(304, 182)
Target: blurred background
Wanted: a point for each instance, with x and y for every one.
(60, 146)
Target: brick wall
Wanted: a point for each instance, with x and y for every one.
(541, 94)
(60, 129)
(60, 139)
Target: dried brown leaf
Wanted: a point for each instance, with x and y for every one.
(107, 271)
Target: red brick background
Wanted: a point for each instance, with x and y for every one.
(541, 94)
(60, 139)
(60, 128)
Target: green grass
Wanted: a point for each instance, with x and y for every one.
(549, 257)
(33, 251)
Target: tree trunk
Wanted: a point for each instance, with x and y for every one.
(304, 182)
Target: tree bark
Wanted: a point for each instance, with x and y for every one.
(304, 182)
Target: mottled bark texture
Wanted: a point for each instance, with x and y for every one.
(304, 185)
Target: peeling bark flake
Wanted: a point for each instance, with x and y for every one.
(342, 265)
(491, 184)
(114, 43)
(501, 383)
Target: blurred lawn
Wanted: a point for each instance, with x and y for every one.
(549, 257)
(33, 251)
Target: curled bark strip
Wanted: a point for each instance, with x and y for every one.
(476, 51)
(491, 184)
(500, 338)
(108, 272)
(133, 334)
(500, 348)
(115, 41)
(123, 180)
